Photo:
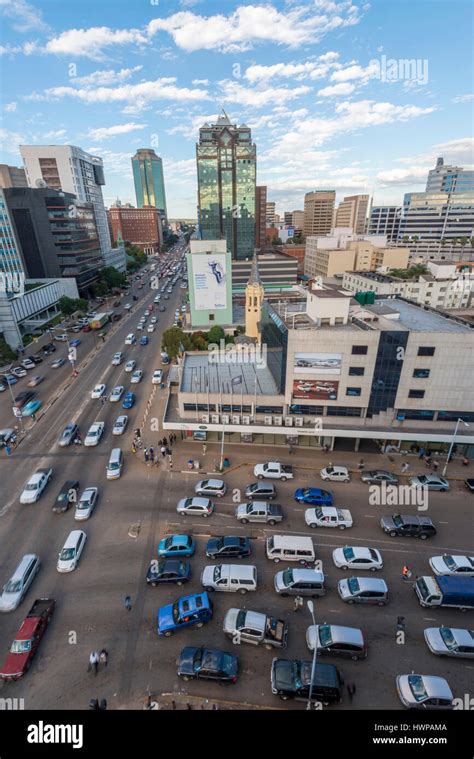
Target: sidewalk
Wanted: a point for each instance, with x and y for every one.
(182, 701)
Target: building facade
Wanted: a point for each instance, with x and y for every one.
(226, 169)
(318, 212)
(432, 217)
(12, 176)
(138, 226)
(270, 212)
(149, 181)
(352, 212)
(358, 255)
(385, 220)
(11, 259)
(444, 178)
(260, 216)
(277, 271)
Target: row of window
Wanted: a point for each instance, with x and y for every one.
(361, 350)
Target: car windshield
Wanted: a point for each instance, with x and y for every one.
(306, 492)
(397, 520)
(83, 504)
(288, 577)
(450, 563)
(318, 512)
(175, 612)
(188, 502)
(32, 486)
(325, 636)
(422, 479)
(330, 469)
(20, 646)
(348, 553)
(417, 687)
(204, 483)
(216, 576)
(448, 638)
(353, 585)
(13, 586)
(67, 554)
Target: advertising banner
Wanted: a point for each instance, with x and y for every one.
(315, 390)
(210, 282)
(318, 363)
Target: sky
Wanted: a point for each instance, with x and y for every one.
(321, 83)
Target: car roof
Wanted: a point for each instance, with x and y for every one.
(307, 575)
(370, 583)
(436, 687)
(212, 483)
(177, 539)
(199, 500)
(360, 551)
(342, 634)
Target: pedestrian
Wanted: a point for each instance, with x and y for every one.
(163, 451)
(330, 465)
(435, 465)
(405, 467)
(8, 450)
(401, 624)
(33, 417)
(298, 603)
(104, 657)
(428, 461)
(204, 449)
(127, 602)
(146, 455)
(160, 443)
(138, 434)
(465, 461)
(168, 451)
(165, 442)
(174, 438)
(421, 453)
(151, 454)
(93, 662)
(361, 465)
(170, 463)
(406, 573)
(351, 689)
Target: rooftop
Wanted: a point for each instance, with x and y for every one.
(199, 375)
(421, 318)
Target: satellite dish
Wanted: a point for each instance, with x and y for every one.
(40, 183)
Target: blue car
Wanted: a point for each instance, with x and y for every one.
(10, 379)
(129, 400)
(186, 611)
(144, 340)
(31, 408)
(177, 545)
(74, 343)
(315, 496)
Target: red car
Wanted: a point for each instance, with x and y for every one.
(27, 639)
(86, 328)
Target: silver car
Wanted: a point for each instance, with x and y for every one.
(337, 640)
(68, 435)
(299, 582)
(430, 482)
(450, 641)
(116, 394)
(211, 487)
(377, 476)
(363, 590)
(86, 504)
(197, 506)
(120, 425)
(424, 692)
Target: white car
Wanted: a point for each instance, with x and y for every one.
(117, 359)
(130, 366)
(95, 433)
(183, 309)
(335, 474)
(461, 566)
(120, 425)
(140, 326)
(328, 516)
(355, 557)
(136, 377)
(150, 328)
(35, 485)
(71, 551)
(130, 339)
(98, 391)
(86, 504)
(157, 378)
(197, 506)
(27, 363)
(127, 306)
(61, 338)
(153, 319)
(116, 393)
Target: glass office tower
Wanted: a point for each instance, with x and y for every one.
(149, 180)
(226, 167)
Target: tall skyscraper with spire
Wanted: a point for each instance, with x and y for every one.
(226, 168)
(149, 180)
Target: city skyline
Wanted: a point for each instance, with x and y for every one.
(321, 114)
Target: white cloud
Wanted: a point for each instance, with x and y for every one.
(233, 92)
(459, 151)
(55, 135)
(404, 177)
(103, 133)
(10, 107)
(464, 98)
(27, 48)
(253, 24)
(9, 141)
(94, 42)
(134, 94)
(25, 16)
(355, 71)
(105, 77)
(200, 81)
(312, 69)
(343, 88)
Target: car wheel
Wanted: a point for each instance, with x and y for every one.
(205, 515)
(373, 569)
(423, 536)
(283, 479)
(302, 562)
(355, 658)
(209, 590)
(168, 634)
(381, 603)
(243, 591)
(277, 561)
(442, 490)
(313, 525)
(186, 678)
(272, 522)
(199, 624)
(244, 521)
(179, 582)
(342, 526)
(284, 595)
(345, 568)
(347, 479)
(350, 601)
(392, 534)
(153, 584)
(283, 698)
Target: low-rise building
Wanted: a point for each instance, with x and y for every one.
(360, 254)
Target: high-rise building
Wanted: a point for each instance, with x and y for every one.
(138, 226)
(57, 234)
(12, 176)
(226, 168)
(352, 212)
(149, 180)
(385, 220)
(432, 217)
(72, 170)
(11, 261)
(444, 178)
(260, 215)
(318, 212)
(270, 212)
(295, 219)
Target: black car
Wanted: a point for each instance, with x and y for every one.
(292, 679)
(37, 359)
(262, 491)
(469, 484)
(168, 570)
(162, 308)
(23, 398)
(204, 664)
(408, 526)
(68, 495)
(48, 348)
(228, 547)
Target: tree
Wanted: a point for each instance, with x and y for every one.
(174, 340)
(6, 353)
(99, 289)
(215, 334)
(67, 305)
(112, 277)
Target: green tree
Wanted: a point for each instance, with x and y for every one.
(173, 339)
(111, 277)
(6, 353)
(67, 305)
(100, 289)
(215, 334)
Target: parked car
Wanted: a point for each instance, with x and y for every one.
(6, 435)
(157, 378)
(377, 476)
(18, 371)
(315, 496)
(27, 363)
(120, 425)
(204, 664)
(68, 494)
(261, 490)
(259, 511)
(424, 692)
(49, 348)
(228, 547)
(62, 338)
(75, 343)
(68, 435)
(335, 474)
(86, 504)
(328, 516)
(431, 482)
(365, 590)
(469, 483)
(168, 571)
(196, 506)
(407, 525)
(37, 358)
(355, 557)
(299, 582)
(36, 485)
(96, 430)
(27, 639)
(461, 566)
(17, 586)
(186, 611)
(294, 679)
(337, 640)
(211, 487)
(24, 397)
(450, 641)
(10, 379)
(177, 545)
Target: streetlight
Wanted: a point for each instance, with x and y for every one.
(452, 443)
(310, 606)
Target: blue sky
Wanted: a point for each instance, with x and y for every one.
(113, 76)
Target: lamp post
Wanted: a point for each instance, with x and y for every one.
(315, 653)
(452, 443)
(221, 465)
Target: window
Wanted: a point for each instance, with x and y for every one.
(421, 373)
(424, 350)
(343, 411)
(356, 371)
(353, 391)
(421, 414)
(359, 350)
(416, 394)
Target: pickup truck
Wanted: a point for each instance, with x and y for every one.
(273, 470)
(243, 626)
(27, 639)
(449, 592)
(259, 511)
(328, 516)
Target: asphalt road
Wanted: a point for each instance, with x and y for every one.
(90, 612)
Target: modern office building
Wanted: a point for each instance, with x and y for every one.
(11, 259)
(318, 212)
(270, 213)
(260, 216)
(352, 212)
(226, 169)
(276, 271)
(294, 219)
(72, 170)
(149, 180)
(432, 217)
(444, 178)
(56, 233)
(138, 226)
(341, 251)
(385, 220)
(12, 176)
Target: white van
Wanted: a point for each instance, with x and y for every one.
(71, 551)
(114, 467)
(15, 589)
(290, 548)
(232, 578)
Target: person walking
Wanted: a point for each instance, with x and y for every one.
(361, 465)
(351, 689)
(401, 624)
(421, 453)
(168, 450)
(428, 461)
(104, 657)
(8, 450)
(163, 451)
(435, 465)
(160, 443)
(94, 661)
(165, 442)
(405, 467)
(127, 602)
(146, 455)
(170, 463)
(204, 449)
(298, 603)
(151, 454)
(406, 573)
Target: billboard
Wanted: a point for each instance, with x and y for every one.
(318, 363)
(210, 282)
(315, 390)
